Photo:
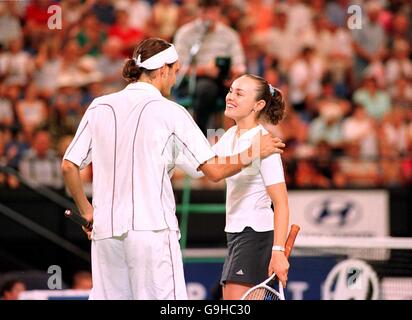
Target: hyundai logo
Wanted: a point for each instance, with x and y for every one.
(333, 212)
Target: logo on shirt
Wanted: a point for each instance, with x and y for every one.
(240, 272)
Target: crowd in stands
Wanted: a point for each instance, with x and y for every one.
(348, 91)
(14, 284)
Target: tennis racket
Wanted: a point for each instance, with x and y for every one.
(266, 289)
(77, 218)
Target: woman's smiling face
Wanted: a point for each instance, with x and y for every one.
(241, 98)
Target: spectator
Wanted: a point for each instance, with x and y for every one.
(6, 108)
(6, 154)
(110, 65)
(12, 289)
(406, 164)
(370, 67)
(390, 169)
(307, 176)
(399, 65)
(369, 42)
(188, 11)
(299, 15)
(324, 162)
(291, 129)
(16, 65)
(82, 280)
(305, 77)
(357, 171)
(40, 165)
(279, 41)
(165, 19)
(409, 130)
(73, 11)
(401, 93)
(255, 58)
(48, 65)
(92, 91)
(15, 148)
(341, 43)
(359, 128)
(329, 96)
(36, 18)
(122, 31)
(76, 70)
(261, 13)
(319, 36)
(104, 11)
(65, 110)
(31, 111)
(400, 28)
(3, 139)
(10, 27)
(327, 126)
(337, 12)
(375, 101)
(274, 76)
(217, 41)
(140, 12)
(395, 132)
(91, 36)
(13, 93)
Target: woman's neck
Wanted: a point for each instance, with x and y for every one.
(245, 125)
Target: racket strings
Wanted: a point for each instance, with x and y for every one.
(261, 294)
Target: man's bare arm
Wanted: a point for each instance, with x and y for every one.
(219, 168)
(71, 176)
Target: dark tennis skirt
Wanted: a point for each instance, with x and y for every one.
(248, 258)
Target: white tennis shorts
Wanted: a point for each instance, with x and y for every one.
(140, 265)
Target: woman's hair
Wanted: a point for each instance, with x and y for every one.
(274, 110)
(146, 49)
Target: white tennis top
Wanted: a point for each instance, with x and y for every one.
(247, 201)
(134, 138)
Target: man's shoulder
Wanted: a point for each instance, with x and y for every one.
(107, 99)
(175, 108)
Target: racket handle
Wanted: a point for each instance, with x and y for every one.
(281, 291)
(77, 218)
(294, 229)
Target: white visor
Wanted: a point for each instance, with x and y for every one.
(157, 61)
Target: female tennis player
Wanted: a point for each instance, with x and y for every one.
(255, 234)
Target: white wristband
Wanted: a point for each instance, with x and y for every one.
(278, 248)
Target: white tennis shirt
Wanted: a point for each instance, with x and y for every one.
(135, 137)
(247, 201)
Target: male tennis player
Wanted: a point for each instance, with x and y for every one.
(134, 138)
